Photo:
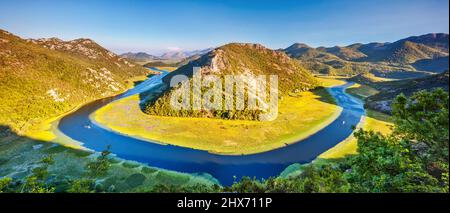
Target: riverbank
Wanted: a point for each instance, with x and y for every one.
(299, 117)
(19, 154)
(47, 130)
(372, 121)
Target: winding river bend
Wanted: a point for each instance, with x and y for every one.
(78, 126)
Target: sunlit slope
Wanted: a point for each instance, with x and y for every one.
(427, 52)
(237, 59)
(42, 78)
(299, 117)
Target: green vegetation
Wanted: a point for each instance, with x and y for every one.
(35, 183)
(40, 79)
(235, 59)
(379, 93)
(413, 57)
(361, 91)
(414, 158)
(23, 160)
(372, 121)
(298, 118)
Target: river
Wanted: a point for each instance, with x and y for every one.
(78, 126)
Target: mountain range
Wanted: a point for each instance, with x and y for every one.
(427, 52)
(40, 78)
(140, 57)
(172, 56)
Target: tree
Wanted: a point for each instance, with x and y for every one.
(5, 184)
(385, 164)
(37, 181)
(423, 121)
(81, 186)
(415, 157)
(101, 165)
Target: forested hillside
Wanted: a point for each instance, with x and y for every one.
(237, 59)
(44, 77)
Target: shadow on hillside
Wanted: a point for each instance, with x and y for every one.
(19, 155)
(379, 115)
(149, 97)
(324, 95)
(11, 141)
(135, 83)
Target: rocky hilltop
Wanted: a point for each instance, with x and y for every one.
(237, 59)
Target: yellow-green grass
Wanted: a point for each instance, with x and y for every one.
(299, 117)
(329, 81)
(379, 79)
(48, 131)
(169, 69)
(373, 120)
(361, 91)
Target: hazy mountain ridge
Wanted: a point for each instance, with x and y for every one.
(169, 59)
(179, 55)
(139, 56)
(40, 78)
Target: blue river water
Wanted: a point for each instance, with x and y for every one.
(222, 167)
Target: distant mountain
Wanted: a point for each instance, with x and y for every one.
(177, 59)
(140, 57)
(418, 53)
(198, 52)
(303, 51)
(40, 78)
(347, 53)
(237, 58)
(171, 63)
(173, 55)
(179, 55)
(435, 40)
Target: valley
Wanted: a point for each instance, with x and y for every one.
(220, 166)
(232, 137)
(94, 100)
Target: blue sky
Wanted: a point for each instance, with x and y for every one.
(159, 26)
